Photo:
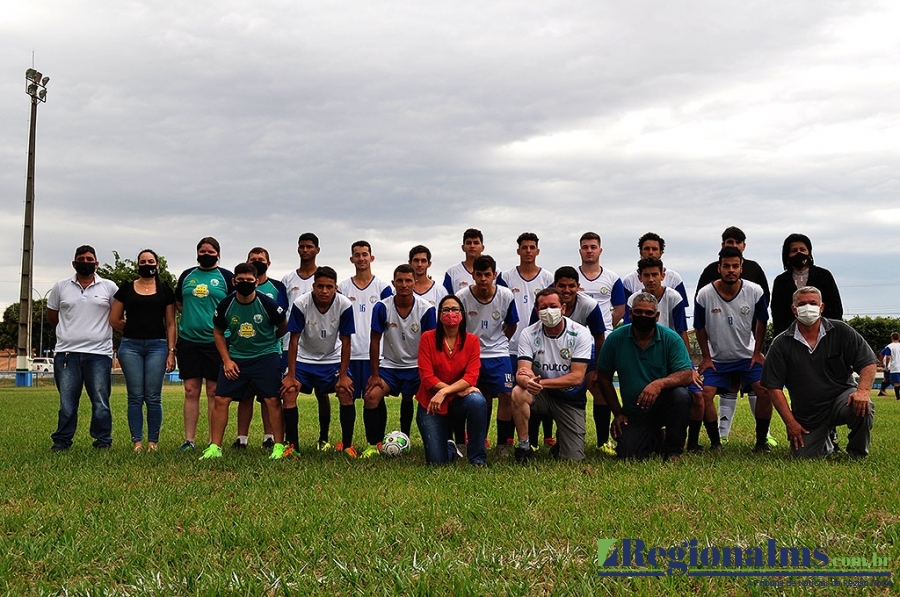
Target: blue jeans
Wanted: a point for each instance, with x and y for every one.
(73, 371)
(144, 365)
(437, 429)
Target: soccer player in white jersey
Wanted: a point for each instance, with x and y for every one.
(398, 322)
(584, 310)
(670, 303)
(321, 324)
(653, 245)
(892, 362)
(526, 280)
(425, 288)
(550, 377)
(730, 318)
(600, 283)
(492, 316)
(363, 290)
(297, 282)
(459, 276)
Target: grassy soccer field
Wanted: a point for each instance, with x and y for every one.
(119, 523)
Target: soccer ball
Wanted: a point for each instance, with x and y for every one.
(396, 443)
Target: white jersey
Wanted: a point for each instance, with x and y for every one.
(363, 300)
(730, 325)
(295, 285)
(457, 279)
(487, 320)
(552, 357)
(671, 310)
(586, 312)
(632, 283)
(320, 332)
(894, 365)
(433, 295)
(524, 291)
(400, 336)
(606, 289)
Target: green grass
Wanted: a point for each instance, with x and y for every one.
(89, 522)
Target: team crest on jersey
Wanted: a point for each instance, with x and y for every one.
(235, 320)
(565, 353)
(373, 299)
(604, 290)
(414, 328)
(537, 291)
(258, 318)
(246, 330)
(214, 282)
(745, 310)
(201, 291)
(496, 315)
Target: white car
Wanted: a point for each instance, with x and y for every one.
(42, 364)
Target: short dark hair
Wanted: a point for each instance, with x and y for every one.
(729, 252)
(473, 233)
(361, 243)
(652, 236)
(527, 236)
(325, 272)
(245, 268)
(86, 249)
(796, 237)
(734, 233)
(648, 262)
(439, 332)
(484, 263)
(404, 268)
(257, 251)
(589, 236)
(420, 249)
(208, 240)
(547, 292)
(895, 336)
(566, 271)
(310, 237)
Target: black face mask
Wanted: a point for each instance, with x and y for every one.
(207, 261)
(642, 323)
(245, 288)
(800, 260)
(85, 268)
(261, 267)
(147, 271)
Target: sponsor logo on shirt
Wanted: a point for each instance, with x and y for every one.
(201, 291)
(246, 330)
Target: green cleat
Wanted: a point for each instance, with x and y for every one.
(213, 451)
(323, 446)
(370, 452)
(277, 452)
(771, 441)
(608, 449)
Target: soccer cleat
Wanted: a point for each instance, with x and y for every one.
(268, 443)
(504, 450)
(717, 447)
(771, 441)
(349, 450)
(187, 445)
(279, 451)
(549, 441)
(323, 446)
(724, 440)
(487, 443)
(370, 452)
(291, 451)
(213, 451)
(524, 455)
(762, 449)
(58, 448)
(608, 449)
(237, 445)
(695, 448)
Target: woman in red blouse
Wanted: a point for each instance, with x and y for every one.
(449, 362)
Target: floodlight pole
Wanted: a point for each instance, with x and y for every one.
(36, 88)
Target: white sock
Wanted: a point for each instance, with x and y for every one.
(727, 406)
(242, 439)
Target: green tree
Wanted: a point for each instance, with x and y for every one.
(9, 327)
(123, 271)
(876, 330)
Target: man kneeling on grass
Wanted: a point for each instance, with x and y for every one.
(248, 325)
(654, 369)
(815, 359)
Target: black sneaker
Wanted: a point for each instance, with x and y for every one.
(59, 448)
(762, 448)
(268, 443)
(237, 445)
(524, 455)
(695, 448)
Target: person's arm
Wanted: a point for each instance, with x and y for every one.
(651, 391)
(171, 336)
(617, 300)
(760, 340)
(525, 377)
(795, 431)
(604, 380)
(52, 317)
(859, 400)
(705, 358)
(573, 378)
(512, 318)
(230, 367)
(117, 315)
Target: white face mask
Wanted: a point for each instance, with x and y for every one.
(550, 316)
(808, 314)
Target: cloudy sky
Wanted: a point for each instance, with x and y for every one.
(407, 122)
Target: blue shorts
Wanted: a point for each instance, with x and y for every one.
(495, 377)
(723, 376)
(401, 381)
(892, 377)
(360, 370)
(317, 377)
(260, 376)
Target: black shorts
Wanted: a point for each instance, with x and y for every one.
(260, 377)
(197, 360)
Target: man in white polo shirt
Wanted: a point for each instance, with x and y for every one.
(78, 307)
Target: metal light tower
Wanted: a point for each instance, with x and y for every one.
(36, 88)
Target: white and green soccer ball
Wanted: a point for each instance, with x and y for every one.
(396, 443)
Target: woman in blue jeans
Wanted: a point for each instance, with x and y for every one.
(144, 311)
(449, 363)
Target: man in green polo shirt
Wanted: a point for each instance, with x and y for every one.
(654, 371)
(248, 325)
